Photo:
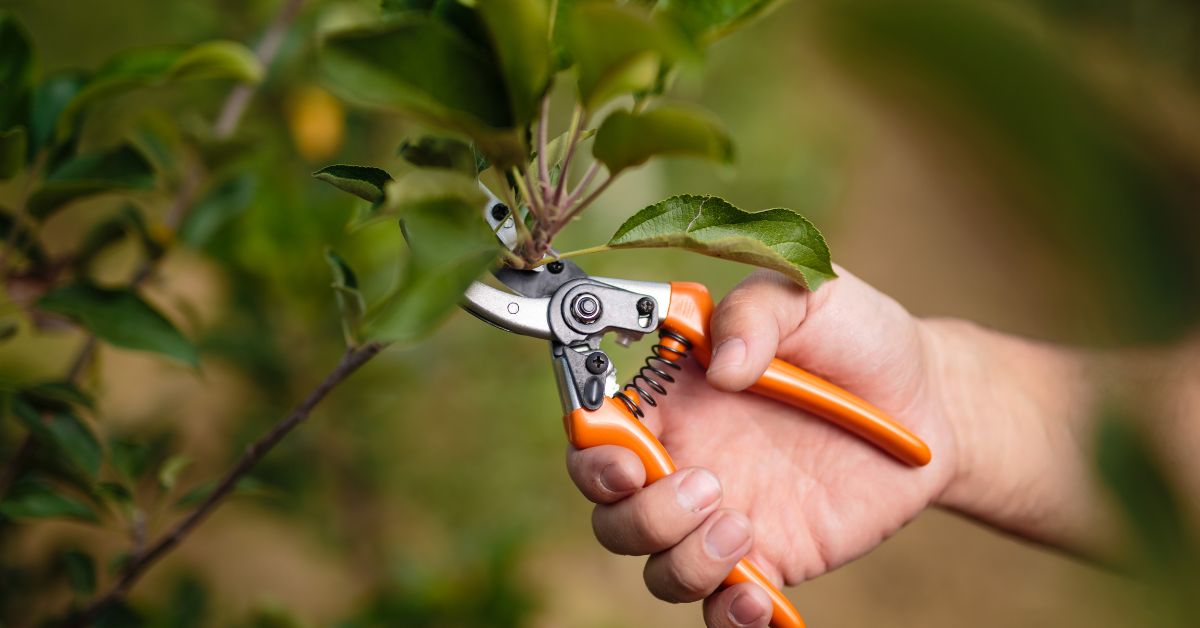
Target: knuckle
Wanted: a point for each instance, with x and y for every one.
(646, 528)
(672, 579)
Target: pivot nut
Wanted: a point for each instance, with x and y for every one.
(586, 308)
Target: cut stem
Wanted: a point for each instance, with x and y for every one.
(576, 253)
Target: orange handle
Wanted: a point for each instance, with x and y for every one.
(688, 314)
(612, 424)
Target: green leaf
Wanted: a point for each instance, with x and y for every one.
(520, 34)
(364, 182)
(168, 473)
(25, 240)
(64, 431)
(219, 206)
(81, 572)
(779, 239)
(707, 20)
(8, 330)
(126, 222)
(556, 149)
(626, 139)
(35, 499)
(50, 99)
(217, 60)
(16, 71)
(431, 151)
(12, 151)
(130, 458)
(450, 247)
(115, 493)
(619, 50)
(59, 394)
(159, 66)
(433, 186)
(350, 301)
(120, 317)
(423, 68)
(117, 170)
(404, 6)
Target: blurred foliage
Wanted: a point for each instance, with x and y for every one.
(385, 509)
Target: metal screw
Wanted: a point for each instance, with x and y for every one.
(597, 363)
(586, 308)
(555, 267)
(499, 211)
(645, 306)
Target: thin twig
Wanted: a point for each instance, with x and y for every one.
(351, 361)
(582, 205)
(583, 184)
(266, 51)
(578, 121)
(543, 122)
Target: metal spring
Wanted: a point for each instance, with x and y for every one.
(653, 374)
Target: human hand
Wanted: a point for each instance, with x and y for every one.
(796, 494)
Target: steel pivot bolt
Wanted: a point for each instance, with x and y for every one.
(586, 308)
(597, 363)
(645, 306)
(499, 211)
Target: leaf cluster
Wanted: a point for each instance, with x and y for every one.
(481, 75)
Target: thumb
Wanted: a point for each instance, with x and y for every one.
(747, 325)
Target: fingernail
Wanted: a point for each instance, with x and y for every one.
(725, 536)
(731, 352)
(614, 480)
(698, 491)
(746, 609)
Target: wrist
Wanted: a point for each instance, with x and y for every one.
(1018, 411)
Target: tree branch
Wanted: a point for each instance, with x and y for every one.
(354, 358)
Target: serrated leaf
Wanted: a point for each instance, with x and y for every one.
(420, 66)
(618, 49)
(431, 151)
(627, 139)
(12, 151)
(779, 239)
(117, 170)
(35, 499)
(450, 247)
(217, 208)
(80, 569)
(364, 182)
(60, 428)
(350, 301)
(16, 71)
(520, 35)
(120, 317)
(158, 66)
(168, 473)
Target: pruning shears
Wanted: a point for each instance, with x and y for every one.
(561, 303)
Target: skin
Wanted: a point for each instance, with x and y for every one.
(1008, 421)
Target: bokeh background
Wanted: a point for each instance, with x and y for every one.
(989, 160)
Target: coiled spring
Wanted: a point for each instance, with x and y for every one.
(654, 375)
